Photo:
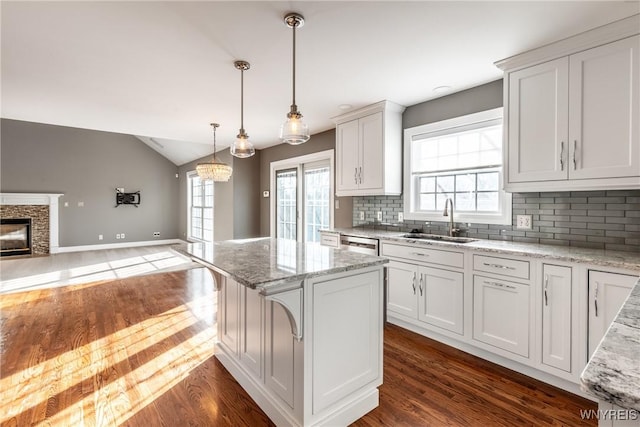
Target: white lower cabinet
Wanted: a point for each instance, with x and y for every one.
(501, 314)
(252, 332)
(402, 284)
(556, 316)
(433, 296)
(229, 308)
(440, 302)
(607, 293)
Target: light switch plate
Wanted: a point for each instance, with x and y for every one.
(379, 216)
(400, 216)
(361, 215)
(524, 222)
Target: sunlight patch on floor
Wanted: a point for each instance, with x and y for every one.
(122, 268)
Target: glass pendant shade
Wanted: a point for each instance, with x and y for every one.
(215, 169)
(294, 131)
(242, 147)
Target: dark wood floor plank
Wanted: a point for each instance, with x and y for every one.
(138, 352)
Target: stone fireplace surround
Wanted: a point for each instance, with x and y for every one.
(42, 208)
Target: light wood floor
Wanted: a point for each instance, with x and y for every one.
(41, 272)
(139, 352)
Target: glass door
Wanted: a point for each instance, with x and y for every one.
(287, 204)
(303, 202)
(317, 195)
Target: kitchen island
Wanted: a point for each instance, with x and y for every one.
(299, 326)
(613, 373)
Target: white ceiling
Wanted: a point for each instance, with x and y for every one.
(164, 70)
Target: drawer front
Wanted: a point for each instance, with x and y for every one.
(416, 253)
(504, 266)
(332, 240)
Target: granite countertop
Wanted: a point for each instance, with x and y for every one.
(272, 265)
(613, 373)
(606, 258)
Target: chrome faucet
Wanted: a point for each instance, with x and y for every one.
(452, 231)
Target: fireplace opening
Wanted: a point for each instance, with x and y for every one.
(15, 236)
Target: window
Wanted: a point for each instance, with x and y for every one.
(460, 159)
(200, 205)
(302, 203)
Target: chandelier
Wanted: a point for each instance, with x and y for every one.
(215, 170)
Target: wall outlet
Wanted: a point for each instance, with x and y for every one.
(66, 204)
(156, 234)
(400, 216)
(361, 216)
(100, 236)
(337, 204)
(524, 222)
(122, 235)
(118, 236)
(81, 204)
(379, 215)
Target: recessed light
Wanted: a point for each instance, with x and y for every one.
(441, 89)
(345, 106)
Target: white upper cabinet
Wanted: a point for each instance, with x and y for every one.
(369, 151)
(572, 112)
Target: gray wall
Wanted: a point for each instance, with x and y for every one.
(236, 203)
(319, 142)
(596, 219)
(87, 166)
(479, 98)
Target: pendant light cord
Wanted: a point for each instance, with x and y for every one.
(294, 64)
(242, 101)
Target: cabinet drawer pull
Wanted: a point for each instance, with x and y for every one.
(504, 267)
(421, 284)
(355, 175)
(360, 175)
(413, 284)
(419, 254)
(575, 147)
(562, 155)
(595, 299)
(546, 284)
(500, 285)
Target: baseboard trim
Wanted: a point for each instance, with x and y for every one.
(115, 245)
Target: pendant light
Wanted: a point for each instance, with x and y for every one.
(242, 148)
(215, 170)
(294, 131)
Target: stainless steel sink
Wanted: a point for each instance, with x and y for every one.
(437, 237)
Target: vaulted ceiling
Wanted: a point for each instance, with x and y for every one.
(164, 70)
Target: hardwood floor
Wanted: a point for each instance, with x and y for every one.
(139, 352)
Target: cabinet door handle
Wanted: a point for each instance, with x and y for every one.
(413, 284)
(500, 285)
(575, 147)
(419, 254)
(355, 175)
(561, 155)
(546, 284)
(421, 284)
(504, 267)
(360, 175)
(595, 299)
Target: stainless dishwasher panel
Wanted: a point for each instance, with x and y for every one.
(359, 244)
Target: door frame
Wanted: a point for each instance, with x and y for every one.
(297, 163)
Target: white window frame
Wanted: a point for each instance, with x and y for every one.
(297, 163)
(190, 238)
(410, 192)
